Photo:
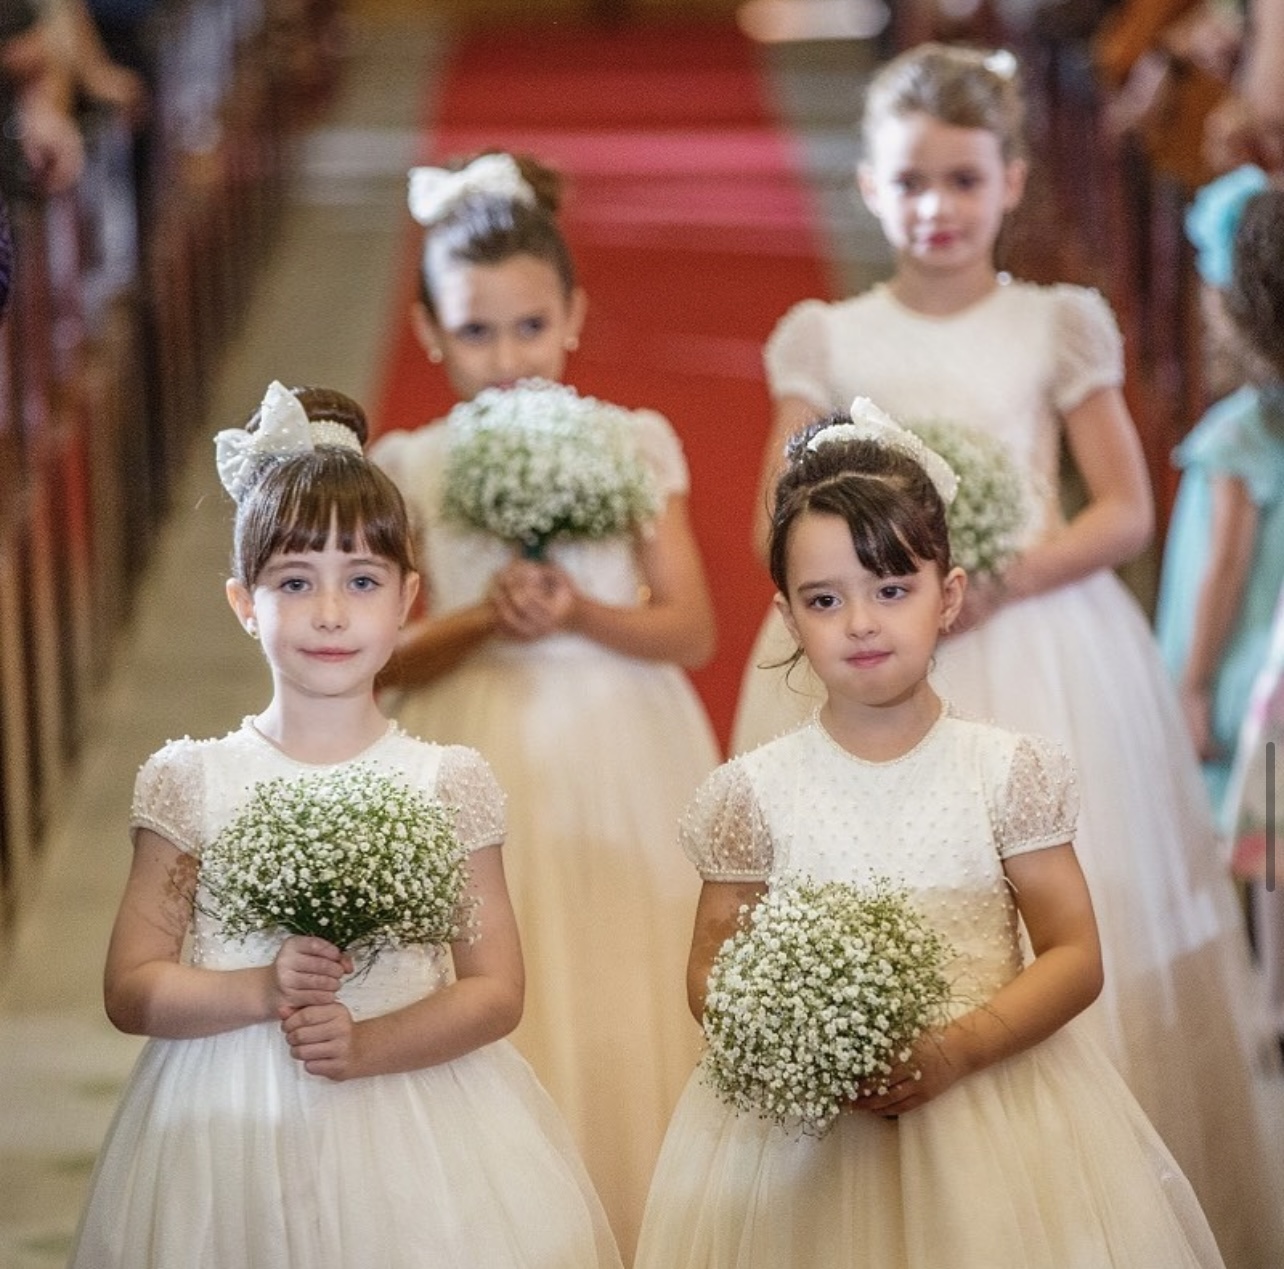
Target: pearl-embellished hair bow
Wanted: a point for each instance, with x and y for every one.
(284, 428)
(869, 423)
(435, 190)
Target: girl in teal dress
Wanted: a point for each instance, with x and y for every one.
(1224, 558)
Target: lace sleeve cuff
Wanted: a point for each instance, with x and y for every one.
(795, 356)
(1040, 803)
(169, 796)
(1089, 347)
(724, 832)
(466, 782)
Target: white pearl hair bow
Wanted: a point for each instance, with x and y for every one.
(284, 428)
(435, 190)
(869, 423)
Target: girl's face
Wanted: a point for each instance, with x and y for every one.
(939, 192)
(498, 323)
(328, 619)
(870, 639)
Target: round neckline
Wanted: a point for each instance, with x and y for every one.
(923, 741)
(1002, 282)
(249, 725)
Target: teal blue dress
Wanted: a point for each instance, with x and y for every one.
(1241, 436)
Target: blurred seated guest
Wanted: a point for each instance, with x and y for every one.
(41, 152)
(1248, 127)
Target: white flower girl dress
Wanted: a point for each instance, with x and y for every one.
(225, 1152)
(1041, 1161)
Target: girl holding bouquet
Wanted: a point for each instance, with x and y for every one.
(1053, 643)
(288, 1111)
(565, 670)
(998, 1137)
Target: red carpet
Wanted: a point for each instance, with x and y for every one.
(693, 233)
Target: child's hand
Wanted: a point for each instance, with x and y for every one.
(1197, 708)
(323, 1038)
(927, 1073)
(526, 599)
(308, 971)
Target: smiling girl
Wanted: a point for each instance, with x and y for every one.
(286, 1112)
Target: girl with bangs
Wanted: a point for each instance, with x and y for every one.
(300, 1103)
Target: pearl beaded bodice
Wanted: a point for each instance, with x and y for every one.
(939, 820)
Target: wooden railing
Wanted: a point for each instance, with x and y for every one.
(122, 297)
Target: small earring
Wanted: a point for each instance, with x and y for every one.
(434, 355)
(252, 628)
(571, 343)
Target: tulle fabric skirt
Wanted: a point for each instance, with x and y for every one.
(1041, 1162)
(1180, 1013)
(225, 1153)
(599, 755)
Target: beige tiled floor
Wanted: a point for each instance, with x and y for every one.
(184, 666)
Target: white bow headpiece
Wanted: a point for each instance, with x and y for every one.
(435, 190)
(284, 428)
(869, 423)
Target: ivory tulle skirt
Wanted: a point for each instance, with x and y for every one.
(1041, 1162)
(226, 1154)
(599, 755)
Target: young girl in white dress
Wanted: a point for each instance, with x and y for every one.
(567, 675)
(1056, 645)
(1006, 1140)
(288, 1113)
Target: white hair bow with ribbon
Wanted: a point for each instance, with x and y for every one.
(435, 190)
(284, 428)
(869, 423)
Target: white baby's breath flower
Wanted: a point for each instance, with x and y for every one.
(352, 855)
(538, 461)
(991, 511)
(822, 990)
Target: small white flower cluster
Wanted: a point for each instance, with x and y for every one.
(991, 511)
(353, 856)
(817, 995)
(539, 461)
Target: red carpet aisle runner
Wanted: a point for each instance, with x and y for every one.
(692, 230)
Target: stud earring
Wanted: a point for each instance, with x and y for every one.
(571, 343)
(434, 355)
(252, 628)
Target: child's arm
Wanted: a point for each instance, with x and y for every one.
(1118, 520)
(675, 620)
(482, 1005)
(1221, 591)
(1063, 979)
(147, 991)
(433, 646)
(718, 917)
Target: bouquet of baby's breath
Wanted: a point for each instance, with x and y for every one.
(537, 461)
(818, 995)
(354, 856)
(989, 515)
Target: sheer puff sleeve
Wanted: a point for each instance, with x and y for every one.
(1089, 346)
(661, 451)
(466, 782)
(1039, 803)
(724, 832)
(169, 794)
(796, 356)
